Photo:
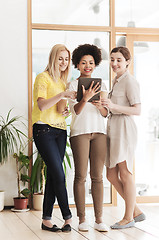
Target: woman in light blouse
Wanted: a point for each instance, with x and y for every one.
(123, 102)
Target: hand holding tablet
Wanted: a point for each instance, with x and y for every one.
(86, 82)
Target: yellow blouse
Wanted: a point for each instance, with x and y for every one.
(45, 87)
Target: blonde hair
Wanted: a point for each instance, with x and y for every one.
(52, 66)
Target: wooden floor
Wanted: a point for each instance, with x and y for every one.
(27, 225)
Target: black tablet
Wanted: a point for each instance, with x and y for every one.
(86, 82)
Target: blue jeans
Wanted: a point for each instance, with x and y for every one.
(51, 144)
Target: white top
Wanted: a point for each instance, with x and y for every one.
(89, 120)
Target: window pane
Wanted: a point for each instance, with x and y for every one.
(42, 42)
(140, 13)
(71, 12)
(146, 65)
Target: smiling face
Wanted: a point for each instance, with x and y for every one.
(63, 60)
(118, 63)
(86, 66)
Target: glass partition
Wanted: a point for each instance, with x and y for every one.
(71, 12)
(137, 13)
(146, 70)
(96, 13)
(43, 40)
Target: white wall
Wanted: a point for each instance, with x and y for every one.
(13, 77)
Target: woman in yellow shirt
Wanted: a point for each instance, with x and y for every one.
(49, 132)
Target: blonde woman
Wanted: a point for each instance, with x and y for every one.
(49, 132)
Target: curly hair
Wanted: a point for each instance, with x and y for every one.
(86, 49)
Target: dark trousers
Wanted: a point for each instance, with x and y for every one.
(51, 144)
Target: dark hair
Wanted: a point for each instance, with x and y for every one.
(86, 49)
(123, 50)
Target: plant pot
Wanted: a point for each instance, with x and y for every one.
(1, 200)
(38, 201)
(20, 203)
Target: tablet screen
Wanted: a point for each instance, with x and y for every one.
(87, 82)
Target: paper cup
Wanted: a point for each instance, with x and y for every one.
(61, 105)
(103, 94)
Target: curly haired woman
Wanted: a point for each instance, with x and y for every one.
(88, 137)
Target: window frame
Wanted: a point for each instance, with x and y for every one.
(112, 30)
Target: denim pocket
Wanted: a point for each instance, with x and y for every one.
(40, 130)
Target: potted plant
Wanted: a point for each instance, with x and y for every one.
(10, 138)
(37, 182)
(1, 200)
(22, 167)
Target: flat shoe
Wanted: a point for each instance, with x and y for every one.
(54, 228)
(140, 217)
(83, 227)
(101, 227)
(118, 226)
(66, 228)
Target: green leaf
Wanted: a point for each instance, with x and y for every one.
(25, 178)
(34, 172)
(10, 136)
(37, 174)
(26, 192)
(64, 164)
(68, 159)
